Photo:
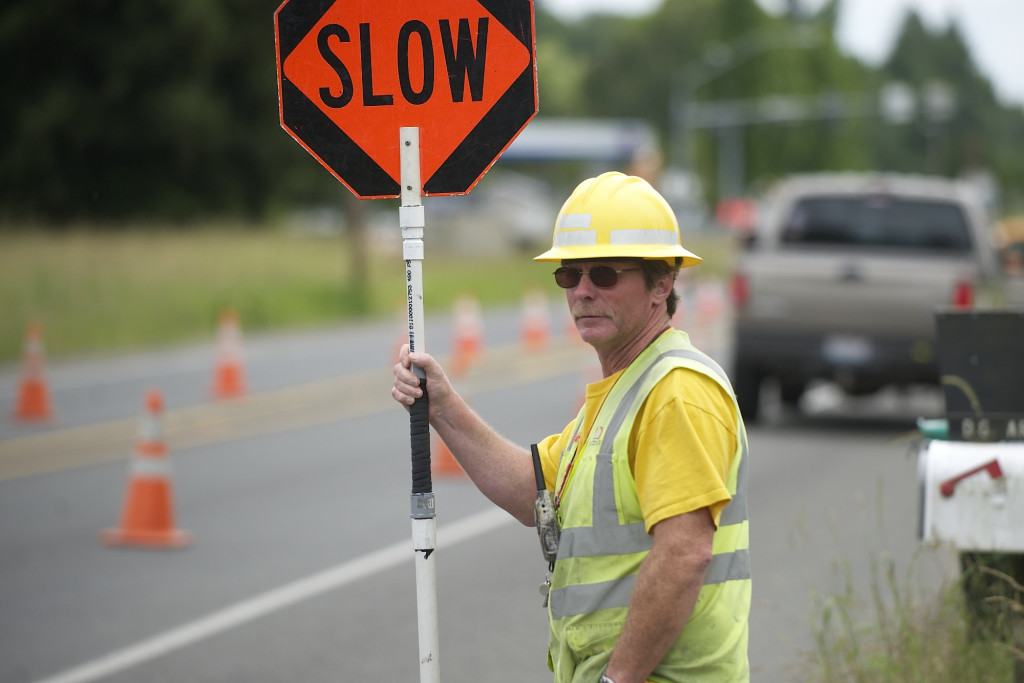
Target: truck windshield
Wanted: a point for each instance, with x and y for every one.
(878, 221)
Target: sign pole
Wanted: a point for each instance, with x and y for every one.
(411, 219)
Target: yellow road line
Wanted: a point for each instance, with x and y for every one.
(303, 405)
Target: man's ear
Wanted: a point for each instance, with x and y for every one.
(663, 287)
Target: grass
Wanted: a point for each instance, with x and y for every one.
(940, 640)
(105, 291)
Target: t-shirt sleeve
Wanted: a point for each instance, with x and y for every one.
(550, 448)
(683, 445)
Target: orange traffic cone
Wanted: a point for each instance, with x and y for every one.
(229, 374)
(572, 334)
(148, 515)
(34, 396)
(468, 342)
(536, 320)
(442, 462)
(710, 301)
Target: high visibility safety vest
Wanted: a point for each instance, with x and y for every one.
(604, 541)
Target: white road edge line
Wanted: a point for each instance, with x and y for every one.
(277, 599)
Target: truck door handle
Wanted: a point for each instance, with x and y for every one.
(992, 467)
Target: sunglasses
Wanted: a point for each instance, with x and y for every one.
(604, 277)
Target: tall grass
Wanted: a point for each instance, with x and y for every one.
(900, 637)
(106, 291)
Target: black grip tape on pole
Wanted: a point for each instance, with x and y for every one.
(419, 429)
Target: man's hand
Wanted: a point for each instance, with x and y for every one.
(499, 468)
(406, 388)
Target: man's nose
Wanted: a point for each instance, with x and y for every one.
(586, 286)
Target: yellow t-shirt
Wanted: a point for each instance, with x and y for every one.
(680, 448)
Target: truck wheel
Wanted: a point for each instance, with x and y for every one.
(747, 386)
(791, 392)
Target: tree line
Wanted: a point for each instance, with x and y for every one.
(167, 111)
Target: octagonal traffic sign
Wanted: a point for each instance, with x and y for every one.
(351, 73)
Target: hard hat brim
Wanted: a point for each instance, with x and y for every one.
(667, 253)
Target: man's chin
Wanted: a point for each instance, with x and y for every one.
(590, 329)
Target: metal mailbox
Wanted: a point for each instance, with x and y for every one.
(972, 495)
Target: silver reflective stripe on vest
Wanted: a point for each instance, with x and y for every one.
(728, 566)
(608, 537)
(587, 598)
(736, 510)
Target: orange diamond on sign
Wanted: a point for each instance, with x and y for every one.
(367, 68)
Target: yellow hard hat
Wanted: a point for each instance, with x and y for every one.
(617, 216)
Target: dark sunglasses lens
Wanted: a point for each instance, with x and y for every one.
(603, 276)
(567, 278)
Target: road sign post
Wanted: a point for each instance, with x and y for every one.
(411, 219)
(407, 99)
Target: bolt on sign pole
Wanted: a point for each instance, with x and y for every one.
(411, 219)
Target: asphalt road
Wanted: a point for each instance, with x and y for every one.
(297, 498)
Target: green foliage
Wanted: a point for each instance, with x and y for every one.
(638, 65)
(158, 110)
(560, 91)
(167, 111)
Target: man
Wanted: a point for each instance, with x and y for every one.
(652, 576)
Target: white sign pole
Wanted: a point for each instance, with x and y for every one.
(424, 523)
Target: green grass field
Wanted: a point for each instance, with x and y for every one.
(108, 291)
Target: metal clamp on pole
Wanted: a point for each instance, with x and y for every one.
(424, 540)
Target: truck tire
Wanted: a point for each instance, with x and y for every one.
(790, 393)
(747, 385)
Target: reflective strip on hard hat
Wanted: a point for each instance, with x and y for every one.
(643, 237)
(573, 231)
(575, 238)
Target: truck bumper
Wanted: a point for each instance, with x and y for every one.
(859, 363)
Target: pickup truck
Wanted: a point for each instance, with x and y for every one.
(841, 276)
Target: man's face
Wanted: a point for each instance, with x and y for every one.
(611, 317)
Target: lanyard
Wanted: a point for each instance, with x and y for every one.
(575, 444)
(575, 441)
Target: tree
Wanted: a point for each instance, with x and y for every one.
(958, 125)
(167, 110)
(161, 109)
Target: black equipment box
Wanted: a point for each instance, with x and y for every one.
(981, 362)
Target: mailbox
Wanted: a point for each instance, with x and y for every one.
(972, 495)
